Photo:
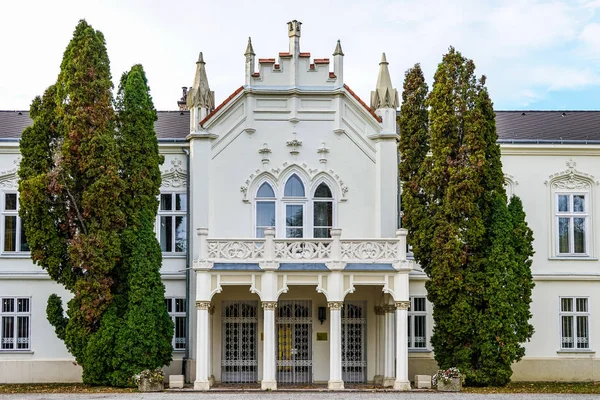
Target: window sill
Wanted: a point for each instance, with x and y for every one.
(16, 255)
(419, 351)
(572, 258)
(173, 255)
(16, 351)
(575, 351)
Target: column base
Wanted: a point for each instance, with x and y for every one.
(388, 382)
(402, 385)
(268, 385)
(202, 385)
(335, 385)
(378, 380)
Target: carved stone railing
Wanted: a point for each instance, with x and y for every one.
(309, 250)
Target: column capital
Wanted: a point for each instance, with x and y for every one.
(269, 305)
(379, 310)
(389, 308)
(335, 305)
(402, 305)
(203, 305)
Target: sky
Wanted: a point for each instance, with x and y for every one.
(536, 54)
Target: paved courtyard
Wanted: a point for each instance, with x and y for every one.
(296, 396)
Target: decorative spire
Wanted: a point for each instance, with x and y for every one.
(249, 49)
(200, 94)
(338, 49)
(384, 96)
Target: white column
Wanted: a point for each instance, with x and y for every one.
(202, 346)
(269, 382)
(389, 353)
(335, 343)
(379, 345)
(402, 382)
(211, 376)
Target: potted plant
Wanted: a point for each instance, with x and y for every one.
(449, 380)
(151, 380)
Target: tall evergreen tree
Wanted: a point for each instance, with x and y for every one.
(144, 340)
(70, 185)
(468, 244)
(414, 146)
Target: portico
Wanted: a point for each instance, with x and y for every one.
(302, 305)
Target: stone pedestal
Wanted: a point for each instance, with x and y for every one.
(453, 385)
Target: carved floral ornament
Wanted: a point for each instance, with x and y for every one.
(176, 176)
(269, 305)
(571, 178)
(203, 305)
(9, 178)
(335, 305)
(276, 173)
(402, 305)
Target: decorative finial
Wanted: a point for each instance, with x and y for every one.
(384, 95)
(338, 49)
(249, 49)
(200, 59)
(383, 59)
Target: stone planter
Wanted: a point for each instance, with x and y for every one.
(453, 385)
(145, 385)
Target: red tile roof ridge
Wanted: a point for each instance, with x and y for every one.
(305, 54)
(321, 61)
(227, 100)
(332, 75)
(266, 60)
(285, 54)
(369, 109)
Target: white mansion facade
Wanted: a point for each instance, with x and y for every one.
(283, 258)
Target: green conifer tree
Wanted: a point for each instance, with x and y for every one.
(70, 187)
(475, 252)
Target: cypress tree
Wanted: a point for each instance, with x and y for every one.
(144, 340)
(414, 146)
(475, 251)
(70, 186)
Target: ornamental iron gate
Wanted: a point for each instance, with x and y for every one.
(354, 331)
(239, 360)
(294, 341)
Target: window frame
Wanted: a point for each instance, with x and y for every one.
(315, 200)
(301, 201)
(412, 313)
(257, 200)
(15, 314)
(571, 215)
(173, 213)
(174, 314)
(19, 225)
(574, 314)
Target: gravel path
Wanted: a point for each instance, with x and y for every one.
(297, 396)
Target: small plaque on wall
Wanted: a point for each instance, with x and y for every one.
(321, 336)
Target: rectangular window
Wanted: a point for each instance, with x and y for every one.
(173, 222)
(265, 217)
(574, 321)
(417, 323)
(15, 330)
(13, 234)
(571, 223)
(294, 220)
(322, 219)
(176, 309)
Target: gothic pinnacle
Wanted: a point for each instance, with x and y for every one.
(249, 49)
(338, 49)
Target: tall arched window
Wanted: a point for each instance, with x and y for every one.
(265, 209)
(293, 193)
(322, 212)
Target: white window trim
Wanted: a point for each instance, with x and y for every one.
(173, 314)
(16, 314)
(572, 214)
(172, 213)
(412, 314)
(4, 213)
(571, 181)
(574, 314)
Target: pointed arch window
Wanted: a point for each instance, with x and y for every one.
(293, 193)
(265, 209)
(322, 212)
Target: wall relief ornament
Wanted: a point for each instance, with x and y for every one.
(176, 176)
(335, 305)
(8, 179)
(571, 178)
(203, 305)
(265, 153)
(276, 173)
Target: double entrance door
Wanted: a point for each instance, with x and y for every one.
(293, 324)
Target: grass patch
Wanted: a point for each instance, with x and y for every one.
(540, 387)
(60, 388)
